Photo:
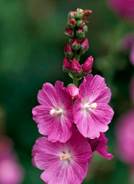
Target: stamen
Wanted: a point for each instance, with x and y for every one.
(88, 106)
(56, 111)
(65, 156)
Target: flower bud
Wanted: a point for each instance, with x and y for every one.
(85, 28)
(72, 14)
(68, 51)
(80, 33)
(79, 13)
(85, 45)
(75, 44)
(87, 66)
(80, 23)
(66, 64)
(73, 90)
(69, 32)
(72, 22)
(75, 66)
(87, 12)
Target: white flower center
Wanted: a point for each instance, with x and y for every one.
(87, 106)
(65, 156)
(56, 111)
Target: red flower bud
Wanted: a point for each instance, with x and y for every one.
(75, 44)
(80, 33)
(87, 12)
(72, 22)
(75, 66)
(72, 14)
(87, 66)
(73, 90)
(66, 64)
(67, 48)
(85, 45)
(69, 32)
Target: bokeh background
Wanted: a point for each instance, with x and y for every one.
(31, 53)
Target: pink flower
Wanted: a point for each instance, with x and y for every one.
(88, 64)
(132, 89)
(125, 138)
(73, 90)
(92, 114)
(62, 163)
(10, 170)
(124, 8)
(100, 145)
(54, 114)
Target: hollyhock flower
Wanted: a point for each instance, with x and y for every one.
(73, 90)
(92, 114)
(62, 163)
(124, 8)
(132, 89)
(100, 145)
(125, 138)
(54, 115)
(128, 44)
(10, 170)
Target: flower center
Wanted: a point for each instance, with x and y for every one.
(65, 156)
(56, 111)
(87, 106)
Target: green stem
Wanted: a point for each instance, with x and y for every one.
(76, 81)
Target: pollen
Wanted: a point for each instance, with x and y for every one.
(88, 106)
(65, 156)
(56, 111)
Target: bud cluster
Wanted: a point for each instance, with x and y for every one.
(77, 44)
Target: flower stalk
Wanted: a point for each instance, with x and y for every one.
(77, 45)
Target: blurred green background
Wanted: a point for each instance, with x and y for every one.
(31, 53)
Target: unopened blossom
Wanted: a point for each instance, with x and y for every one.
(10, 170)
(92, 114)
(53, 115)
(124, 8)
(73, 90)
(72, 65)
(88, 65)
(100, 145)
(62, 163)
(125, 138)
(85, 45)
